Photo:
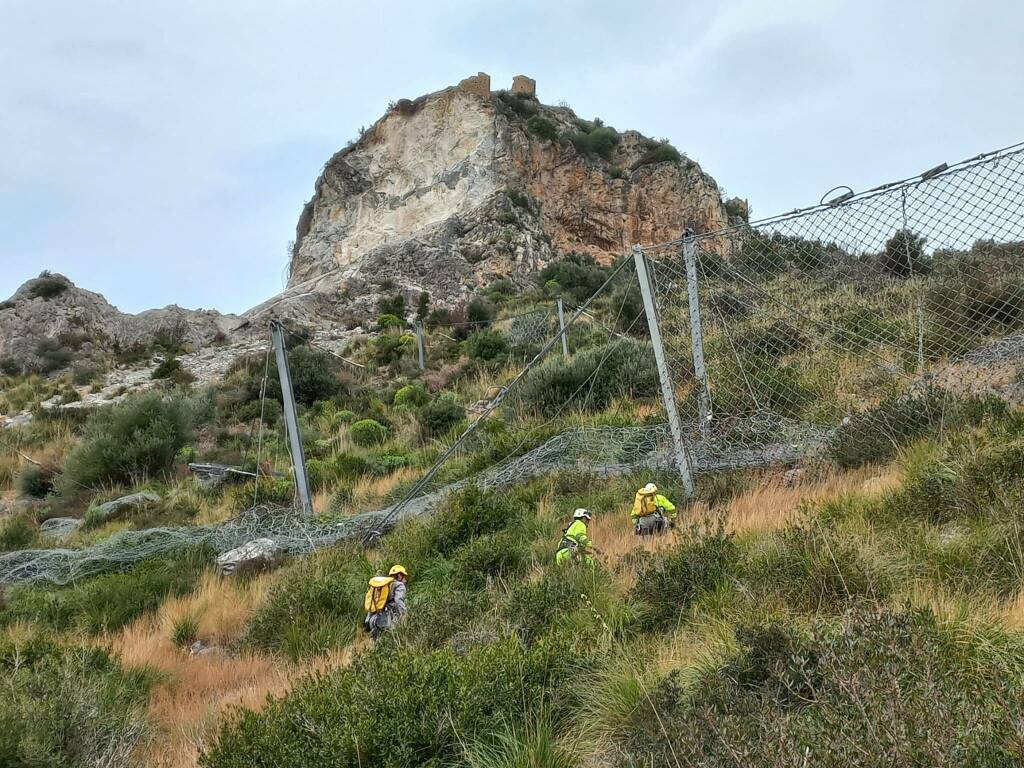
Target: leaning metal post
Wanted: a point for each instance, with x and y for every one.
(561, 327)
(421, 348)
(291, 418)
(667, 388)
(697, 336)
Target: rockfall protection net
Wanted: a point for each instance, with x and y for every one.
(809, 320)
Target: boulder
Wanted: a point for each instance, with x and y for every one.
(60, 528)
(257, 551)
(133, 502)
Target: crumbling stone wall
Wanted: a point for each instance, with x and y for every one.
(525, 86)
(479, 85)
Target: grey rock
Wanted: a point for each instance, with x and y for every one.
(60, 527)
(132, 502)
(255, 551)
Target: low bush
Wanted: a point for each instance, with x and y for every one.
(34, 481)
(661, 152)
(480, 311)
(411, 396)
(772, 341)
(440, 415)
(166, 368)
(470, 513)
(590, 380)
(127, 442)
(47, 285)
(318, 605)
(823, 700)
(769, 254)
(600, 141)
(487, 345)
(393, 305)
(668, 584)
(904, 255)
(491, 556)
(108, 602)
(313, 373)
(368, 432)
(185, 631)
(543, 128)
(446, 699)
(877, 434)
(71, 706)
(17, 532)
(577, 275)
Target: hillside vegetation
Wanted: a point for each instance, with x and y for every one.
(864, 608)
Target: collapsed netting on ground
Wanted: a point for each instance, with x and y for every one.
(600, 450)
(809, 319)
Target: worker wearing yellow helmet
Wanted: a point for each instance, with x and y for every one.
(652, 513)
(385, 601)
(575, 546)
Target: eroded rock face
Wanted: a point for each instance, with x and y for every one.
(447, 192)
(50, 322)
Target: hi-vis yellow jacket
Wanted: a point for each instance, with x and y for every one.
(648, 503)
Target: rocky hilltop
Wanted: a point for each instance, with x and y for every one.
(50, 322)
(456, 188)
(444, 194)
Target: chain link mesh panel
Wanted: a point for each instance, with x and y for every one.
(814, 318)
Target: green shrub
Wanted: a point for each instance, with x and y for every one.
(68, 705)
(52, 354)
(662, 152)
(47, 285)
(470, 513)
(367, 432)
(393, 305)
(773, 341)
(17, 532)
(817, 569)
(543, 128)
(384, 322)
(107, 602)
(520, 199)
(877, 434)
(313, 375)
(34, 481)
(487, 345)
(411, 396)
(480, 311)
(769, 254)
(515, 104)
(445, 699)
(126, 442)
(166, 368)
(668, 584)
(439, 416)
(823, 700)
(578, 275)
(590, 380)
(601, 141)
(904, 254)
(317, 605)
(491, 556)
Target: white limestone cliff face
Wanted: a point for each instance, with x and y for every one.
(422, 201)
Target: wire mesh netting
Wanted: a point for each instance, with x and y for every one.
(811, 319)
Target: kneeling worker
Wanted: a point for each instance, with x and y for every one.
(385, 601)
(575, 545)
(652, 513)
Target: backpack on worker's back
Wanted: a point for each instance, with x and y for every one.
(378, 593)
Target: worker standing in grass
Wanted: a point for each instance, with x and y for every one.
(652, 513)
(385, 601)
(575, 546)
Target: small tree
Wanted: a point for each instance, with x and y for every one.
(904, 254)
(423, 306)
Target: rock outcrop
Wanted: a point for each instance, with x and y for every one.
(50, 322)
(448, 192)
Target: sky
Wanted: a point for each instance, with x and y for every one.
(160, 152)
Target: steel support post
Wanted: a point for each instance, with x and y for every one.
(667, 388)
(291, 419)
(697, 337)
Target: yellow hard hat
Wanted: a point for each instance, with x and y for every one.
(398, 569)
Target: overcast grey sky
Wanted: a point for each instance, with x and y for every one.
(160, 152)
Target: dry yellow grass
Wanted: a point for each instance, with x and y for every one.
(372, 490)
(194, 691)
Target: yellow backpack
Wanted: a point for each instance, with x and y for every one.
(648, 504)
(378, 593)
